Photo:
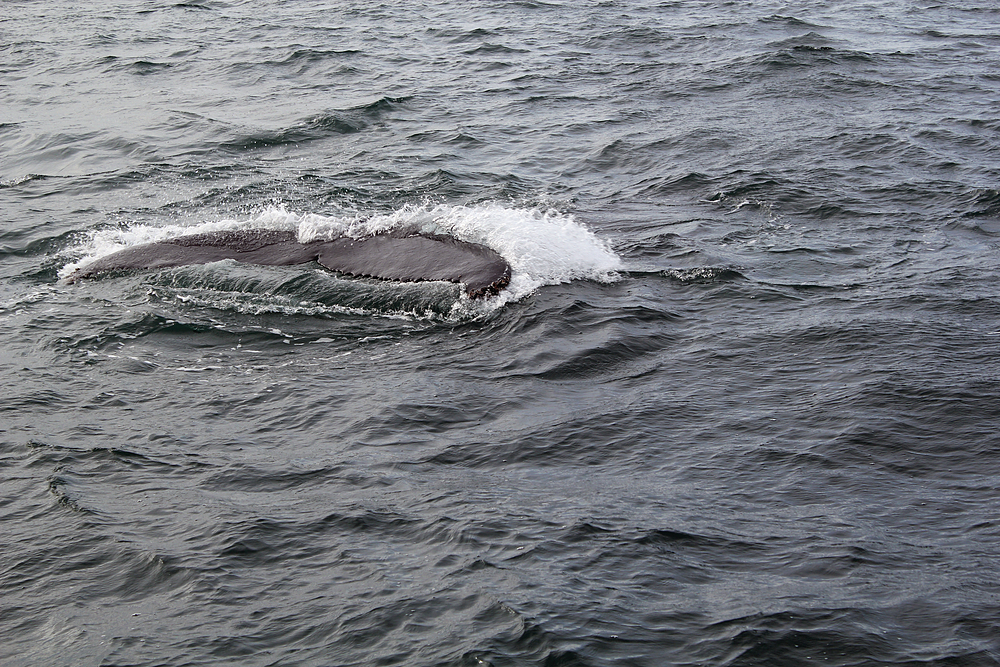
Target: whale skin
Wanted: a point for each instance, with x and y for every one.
(399, 257)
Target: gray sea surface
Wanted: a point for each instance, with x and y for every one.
(740, 404)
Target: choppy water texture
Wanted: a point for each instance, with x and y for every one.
(740, 404)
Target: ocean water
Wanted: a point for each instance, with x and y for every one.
(740, 404)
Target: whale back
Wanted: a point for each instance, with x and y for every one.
(415, 258)
(404, 258)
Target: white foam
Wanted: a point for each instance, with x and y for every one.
(543, 247)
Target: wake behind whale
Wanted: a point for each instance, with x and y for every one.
(387, 256)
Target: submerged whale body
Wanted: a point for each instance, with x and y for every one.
(404, 258)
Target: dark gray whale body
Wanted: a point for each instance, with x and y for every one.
(387, 256)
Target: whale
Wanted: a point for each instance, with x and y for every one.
(402, 257)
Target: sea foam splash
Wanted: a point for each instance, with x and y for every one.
(543, 247)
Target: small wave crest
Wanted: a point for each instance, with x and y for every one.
(543, 247)
(703, 274)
